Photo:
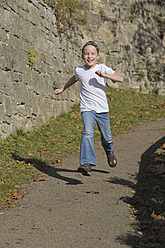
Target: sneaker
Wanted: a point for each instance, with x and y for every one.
(85, 169)
(112, 160)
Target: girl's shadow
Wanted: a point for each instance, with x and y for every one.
(49, 170)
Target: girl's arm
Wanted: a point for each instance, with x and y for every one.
(114, 77)
(71, 81)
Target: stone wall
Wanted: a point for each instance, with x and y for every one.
(130, 35)
(32, 57)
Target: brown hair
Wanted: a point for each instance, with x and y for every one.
(91, 43)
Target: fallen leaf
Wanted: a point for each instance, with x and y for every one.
(152, 106)
(17, 197)
(130, 112)
(10, 192)
(92, 192)
(39, 179)
(134, 234)
(147, 112)
(13, 228)
(117, 122)
(157, 217)
(28, 154)
(58, 161)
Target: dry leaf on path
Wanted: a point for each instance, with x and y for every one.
(17, 197)
(92, 192)
(58, 161)
(39, 179)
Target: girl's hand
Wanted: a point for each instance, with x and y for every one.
(58, 91)
(114, 77)
(100, 73)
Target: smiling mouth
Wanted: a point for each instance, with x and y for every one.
(90, 60)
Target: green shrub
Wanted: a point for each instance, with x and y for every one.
(68, 13)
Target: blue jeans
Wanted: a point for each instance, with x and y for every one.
(87, 151)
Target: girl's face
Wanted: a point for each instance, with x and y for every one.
(90, 56)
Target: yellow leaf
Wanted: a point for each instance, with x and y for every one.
(147, 112)
(92, 192)
(39, 179)
(58, 161)
(130, 112)
(117, 122)
(18, 196)
(152, 106)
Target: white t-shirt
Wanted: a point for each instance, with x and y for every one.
(92, 91)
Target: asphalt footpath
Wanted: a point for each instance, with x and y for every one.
(68, 210)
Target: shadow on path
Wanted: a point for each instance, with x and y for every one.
(147, 228)
(121, 181)
(49, 170)
(53, 171)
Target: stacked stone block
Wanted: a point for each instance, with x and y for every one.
(28, 28)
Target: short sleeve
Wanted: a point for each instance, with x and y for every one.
(107, 70)
(77, 78)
